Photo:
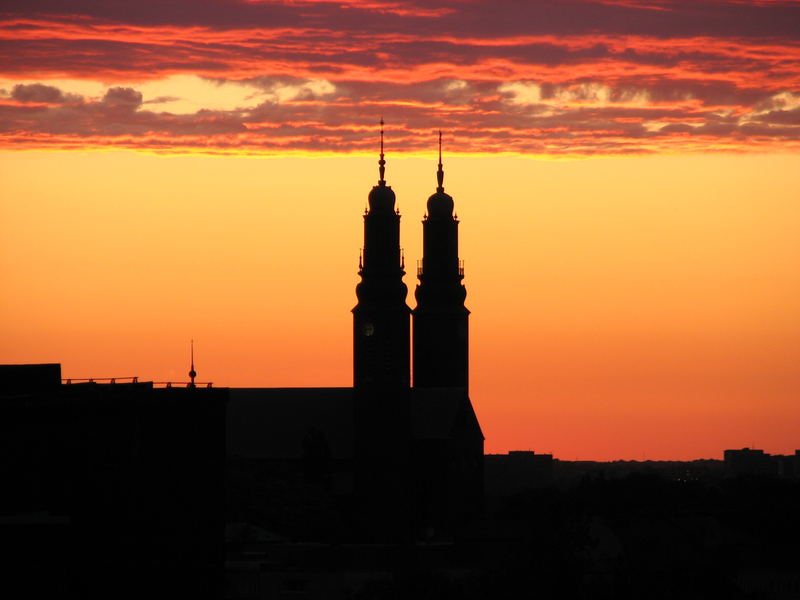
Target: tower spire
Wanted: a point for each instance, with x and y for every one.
(192, 372)
(440, 172)
(381, 359)
(441, 321)
(381, 162)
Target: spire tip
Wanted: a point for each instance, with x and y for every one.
(381, 162)
(440, 172)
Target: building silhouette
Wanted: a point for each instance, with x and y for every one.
(750, 462)
(517, 471)
(381, 351)
(131, 482)
(110, 489)
(409, 459)
(441, 325)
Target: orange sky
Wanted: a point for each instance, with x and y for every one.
(638, 307)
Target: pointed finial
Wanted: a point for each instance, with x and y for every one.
(440, 172)
(381, 162)
(192, 372)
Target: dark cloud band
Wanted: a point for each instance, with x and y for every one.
(565, 77)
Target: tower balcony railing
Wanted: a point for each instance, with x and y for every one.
(421, 271)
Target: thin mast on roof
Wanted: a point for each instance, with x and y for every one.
(192, 372)
(440, 172)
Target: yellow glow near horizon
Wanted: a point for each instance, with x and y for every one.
(621, 307)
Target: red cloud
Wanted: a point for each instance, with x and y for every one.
(588, 75)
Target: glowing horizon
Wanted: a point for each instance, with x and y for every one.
(602, 319)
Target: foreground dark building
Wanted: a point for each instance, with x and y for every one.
(110, 490)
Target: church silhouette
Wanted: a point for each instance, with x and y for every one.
(126, 489)
(408, 451)
(121, 487)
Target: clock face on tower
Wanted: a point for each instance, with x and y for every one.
(368, 329)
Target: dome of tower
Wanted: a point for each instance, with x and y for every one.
(381, 199)
(440, 204)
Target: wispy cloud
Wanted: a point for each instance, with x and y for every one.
(566, 77)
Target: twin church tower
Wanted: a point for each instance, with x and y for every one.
(381, 319)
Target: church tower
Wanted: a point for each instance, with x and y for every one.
(441, 332)
(381, 373)
(381, 326)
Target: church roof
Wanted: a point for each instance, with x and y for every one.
(435, 411)
(271, 423)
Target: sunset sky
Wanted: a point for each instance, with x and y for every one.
(627, 174)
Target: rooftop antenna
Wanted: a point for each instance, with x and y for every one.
(440, 172)
(381, 162)
(192, 372)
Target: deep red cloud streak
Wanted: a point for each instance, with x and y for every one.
(586, 77)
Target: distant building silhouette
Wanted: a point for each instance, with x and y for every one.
(749, 462)
(517, 471)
